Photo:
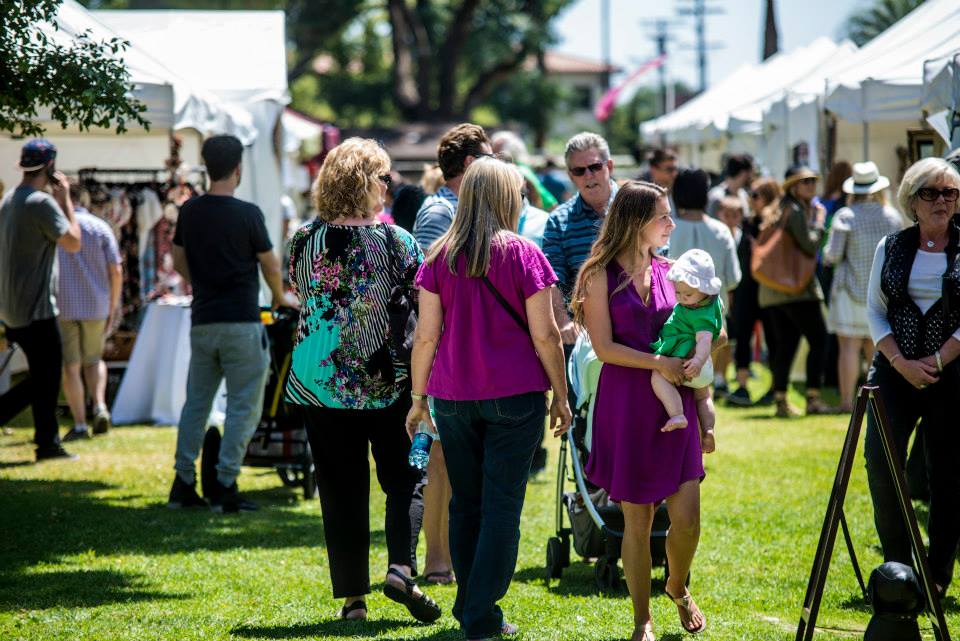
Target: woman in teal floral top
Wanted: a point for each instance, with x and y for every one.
(347, 376)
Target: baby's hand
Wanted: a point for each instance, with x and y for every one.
(691, 368)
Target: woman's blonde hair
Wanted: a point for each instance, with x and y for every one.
(347, 184)
(919, 175)
(875, 197)
(771, 192)
(633, 208)
(489, 203)
(432, 179)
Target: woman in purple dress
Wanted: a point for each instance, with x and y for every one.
(623, 298)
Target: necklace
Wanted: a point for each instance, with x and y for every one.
(930, 244)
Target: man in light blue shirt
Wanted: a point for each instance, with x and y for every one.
(458, 148)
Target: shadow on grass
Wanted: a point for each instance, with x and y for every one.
(857, 603)
(337, 628)
(44, 520)
(76, 589)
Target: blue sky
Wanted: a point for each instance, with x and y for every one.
(738, 29)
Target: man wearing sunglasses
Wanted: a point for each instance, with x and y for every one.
(572, 228)
(458, 148)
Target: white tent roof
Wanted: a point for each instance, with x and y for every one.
(743, 93)
(172, 101)
(238, 55)
(884, 80)
(749, 119)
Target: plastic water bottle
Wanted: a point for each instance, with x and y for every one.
(420, 450)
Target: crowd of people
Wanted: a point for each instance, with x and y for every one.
(671, 279)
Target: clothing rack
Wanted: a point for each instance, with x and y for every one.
(140, 175)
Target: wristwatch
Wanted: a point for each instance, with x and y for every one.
(418, 397)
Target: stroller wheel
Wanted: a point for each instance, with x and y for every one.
(209, 457)
(565, 550)
(555, 558)
(607, 575)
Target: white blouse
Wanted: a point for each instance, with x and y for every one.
(925, 288)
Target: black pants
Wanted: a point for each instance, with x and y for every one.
(339, 440)
(906, 405)
(40, 342)
(789, 322)
(746, 313)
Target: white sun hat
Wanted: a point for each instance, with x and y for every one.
(866, 179)
(695, 268)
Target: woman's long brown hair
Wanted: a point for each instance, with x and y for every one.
(634, 206)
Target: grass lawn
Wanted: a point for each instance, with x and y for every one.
(88, 550)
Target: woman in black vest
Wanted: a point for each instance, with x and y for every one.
(913, 303)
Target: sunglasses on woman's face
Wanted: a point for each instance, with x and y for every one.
(807, 181)
(595, 168)
(930, 194)
(386, 179)
(755, 194)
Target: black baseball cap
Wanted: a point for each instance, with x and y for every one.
(35, 154)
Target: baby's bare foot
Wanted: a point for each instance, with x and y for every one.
(675, 423)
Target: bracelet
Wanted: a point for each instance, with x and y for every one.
(893, 359)
(418, 397)
(939, 361)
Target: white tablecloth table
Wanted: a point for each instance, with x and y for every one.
(154, 387)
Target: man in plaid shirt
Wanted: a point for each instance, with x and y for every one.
(88, 298)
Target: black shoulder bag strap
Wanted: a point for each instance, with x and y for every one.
(503, 301)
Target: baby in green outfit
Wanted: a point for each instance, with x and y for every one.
(696, 321)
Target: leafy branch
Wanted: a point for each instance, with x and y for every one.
(83, 82)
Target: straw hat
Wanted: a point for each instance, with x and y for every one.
(797, 173)
(866, 179)
(695, 268)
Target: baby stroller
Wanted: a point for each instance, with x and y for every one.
(596, 523)
(280, 440)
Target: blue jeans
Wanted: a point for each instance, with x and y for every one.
(238, 352)
(488, 446)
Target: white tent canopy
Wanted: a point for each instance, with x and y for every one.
(172, 101)
(884, 81)
(240, 56)
(742, 95)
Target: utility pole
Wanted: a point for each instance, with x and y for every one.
(661, 36)
(605, 41)
(699, 10)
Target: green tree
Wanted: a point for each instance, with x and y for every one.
(865, 25)
(449, 56)
(83, 83)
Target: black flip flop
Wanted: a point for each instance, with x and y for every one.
(359, 604)
(422, 607)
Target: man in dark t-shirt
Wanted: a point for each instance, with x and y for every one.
(218, 244)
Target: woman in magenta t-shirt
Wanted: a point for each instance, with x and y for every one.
(487, 349)
(623, 298)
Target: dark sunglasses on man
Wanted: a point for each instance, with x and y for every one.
(929, 194)
(595, 168)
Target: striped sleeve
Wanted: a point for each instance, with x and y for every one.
(433, 221)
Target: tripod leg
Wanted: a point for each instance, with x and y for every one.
(853, 555)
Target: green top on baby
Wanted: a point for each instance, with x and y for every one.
(678, 336)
